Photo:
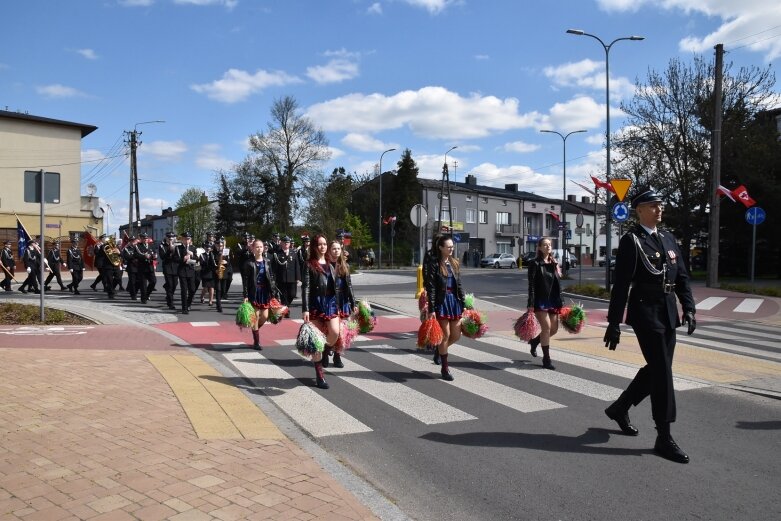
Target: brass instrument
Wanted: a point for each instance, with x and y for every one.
(221, 264)
(112, 252)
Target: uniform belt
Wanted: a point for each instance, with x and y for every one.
(647, 287)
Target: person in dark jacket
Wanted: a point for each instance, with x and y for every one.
(55, 261)
(9, 264)
(186, 259)
(76, 267)
(32, 263)
(429, 258)
(544, 298)
(259, 287)
(327, 297)
(650, 261)
(286, 270)
(445, 295)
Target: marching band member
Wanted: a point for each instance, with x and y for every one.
(146, 272)
(32, 263)
(286, 271)
(55, 260)
(544, 298)
(131, 266)
(186, 259)
(9, 265)
(76, 266)
(170, 268)
(259, 287)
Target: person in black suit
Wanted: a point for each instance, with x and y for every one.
(649, 261)
(76, 267)
(186, 259)
(54, 258)
(165, 252)
(32, 261)
(286, 270)
(9, 264)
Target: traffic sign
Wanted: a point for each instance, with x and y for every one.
(418, 215)
(621, 186)
(755, 215)
(569, 235)
(579, 220)
(459, 237)
(561, 226)
(620, 212)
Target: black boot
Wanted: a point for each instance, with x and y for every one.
(256, 339)
(665, 445)
(534, 342)
(437, 358)
(619, 413)
(321, 383)
(326, 354)
(546, 363)
(446, 369)
(338, 361)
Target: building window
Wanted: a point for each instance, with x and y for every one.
(503, 218)
(483, 216)
(468, 198)
(504, 202)
(445, 214)
(504, 247)
(534, 205)
(32, 187)
(471, 214)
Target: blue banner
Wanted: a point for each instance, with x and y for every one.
(23, 238)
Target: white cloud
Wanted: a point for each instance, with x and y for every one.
(335, 152)
(432, 6)
(57, 90)
(432, 112)
(596, 139)
(230, 4)
(750, 23)
(209, 158)
(526, 178)
(238, 85)
(164, 150)
(520, 147)
(91, 155)
(591, 75)
(581, 112)
(375, 8)
(88, 53)
(366, 143)
(481, 57)
(136, 3)
(335, 71)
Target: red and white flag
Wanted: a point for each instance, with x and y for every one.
(741, 194)
(602, 184)
(726, 192)
(554, 215)
(389, 219)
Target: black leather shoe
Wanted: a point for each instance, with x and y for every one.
(437, 358)
(185, 311)
(666, 447)
(322, 384)
(338, 361)
(447, 376)
(76, 292)
(546, 363)
(325, 360)
(622, 419)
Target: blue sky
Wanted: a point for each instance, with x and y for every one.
(483, 75)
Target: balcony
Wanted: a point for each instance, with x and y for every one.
(508, 230)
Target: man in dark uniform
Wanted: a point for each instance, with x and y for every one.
(9, 265)
(165, 253)
(55, 261)
(650, 262)
(275, 244)
(286, 271)
(302, 253)
(104, 266)
(186, 260)
(76, 266)
(32, 263)
(146, 270)
(128, 254)
(242, 254)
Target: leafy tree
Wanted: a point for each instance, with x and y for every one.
(329, 200)
(404, 194)
(361, 235)
(254, 189)
(291, 148)
(225, 217)
(196, 214)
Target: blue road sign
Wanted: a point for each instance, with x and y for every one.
(755, 215)
(620, 212)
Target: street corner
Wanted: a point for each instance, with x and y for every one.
(728, 304)
(97, 336)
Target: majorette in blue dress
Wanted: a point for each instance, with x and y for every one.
(451, 308)
(327, 305)
(262, 296)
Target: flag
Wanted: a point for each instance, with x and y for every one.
(554, 215)
(125, 241)
(23, 238)
(587, 189)
(389, 219)
(726, 192)
(741, 194)
(89, 250)
(602, 184)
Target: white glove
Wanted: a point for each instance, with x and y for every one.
(71, 270)
(29, 270)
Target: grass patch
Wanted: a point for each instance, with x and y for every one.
(27, 315)
(589, 290)
(767, 291)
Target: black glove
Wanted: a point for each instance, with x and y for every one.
(612, 336)
(688, 319)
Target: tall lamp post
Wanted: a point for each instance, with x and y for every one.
(608, 226)
(564, 199)
(379, 228)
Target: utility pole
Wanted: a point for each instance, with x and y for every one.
(133, 141)
(712, 280)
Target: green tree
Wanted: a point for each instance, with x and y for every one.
(361, 235)
(225, 217)
(291, 148)
(195, 213)
(254, 188)
(329, 200)
(404, 194)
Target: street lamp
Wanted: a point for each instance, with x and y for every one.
(608, 226)
(564, 200)
(379, 231)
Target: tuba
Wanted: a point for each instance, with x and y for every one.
(112, 252)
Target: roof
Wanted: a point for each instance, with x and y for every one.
(85, 129)
(501, 193)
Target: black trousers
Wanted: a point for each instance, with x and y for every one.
(656, 377)
(187, 287)
(171, 281)
(7, 280)
(52, 274)
(76, 277)
(287, 292)
(132, 283)
(147, 281)
(107, 278)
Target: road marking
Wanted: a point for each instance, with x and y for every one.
(748, 332)
(749, 305)
(709, 303)
(204, 324)
(554, 378)
(423, 408)
(594, 364)
(306, 407)
(706, 341)
(482, 387)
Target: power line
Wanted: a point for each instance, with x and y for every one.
(752, 35)
(28, 167)
(755, 42)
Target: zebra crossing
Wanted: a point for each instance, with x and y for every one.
(423, 397)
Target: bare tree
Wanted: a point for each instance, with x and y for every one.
(291, 148)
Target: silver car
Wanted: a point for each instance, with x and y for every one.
(499, 260)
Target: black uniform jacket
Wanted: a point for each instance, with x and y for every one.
(75, 260)
(651, 304)
(436, 284)
(185, 269)
(286, 267)
(32, 259)
(542, 279)
(166, 255)
(55, 259)
(7, 257)
(249, 274)
(315, 284)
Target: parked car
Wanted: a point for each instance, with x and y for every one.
(499, 260)
(528, 257)
(612, 263)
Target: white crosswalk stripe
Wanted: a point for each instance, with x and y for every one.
(709, 303)
(314, 413)
(749, 305)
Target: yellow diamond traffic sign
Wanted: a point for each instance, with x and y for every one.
(621, 186)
